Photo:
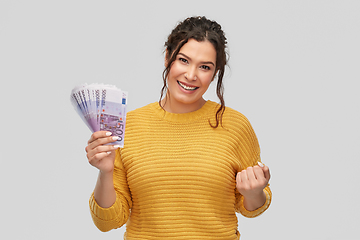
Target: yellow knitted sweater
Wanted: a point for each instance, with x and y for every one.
(175, 176)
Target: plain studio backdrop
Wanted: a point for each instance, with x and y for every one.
(293, 71)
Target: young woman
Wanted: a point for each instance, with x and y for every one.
(187, 164)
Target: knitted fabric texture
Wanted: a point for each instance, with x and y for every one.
(175, 176)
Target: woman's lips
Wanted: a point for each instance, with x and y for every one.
(187, 87)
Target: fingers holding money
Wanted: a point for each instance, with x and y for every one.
(100, 138)
(99, 135)
(99, 154)
(101, 151)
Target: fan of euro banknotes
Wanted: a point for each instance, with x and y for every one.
(102, 107)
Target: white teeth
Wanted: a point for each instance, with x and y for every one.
(186, 87)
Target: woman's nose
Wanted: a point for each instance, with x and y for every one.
(191, 74)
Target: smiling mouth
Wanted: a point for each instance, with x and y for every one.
(187, 87)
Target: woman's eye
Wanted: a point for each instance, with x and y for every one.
(205, 67)
(183, 60)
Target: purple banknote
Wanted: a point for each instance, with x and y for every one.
(101, 107)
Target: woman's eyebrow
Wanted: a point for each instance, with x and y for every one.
(201, 62)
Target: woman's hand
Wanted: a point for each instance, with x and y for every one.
(250, 183)
(99, 155)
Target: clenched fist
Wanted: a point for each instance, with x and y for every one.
(250, 183)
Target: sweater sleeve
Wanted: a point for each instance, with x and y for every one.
(248, 151)
(117, 215)
(239, 206)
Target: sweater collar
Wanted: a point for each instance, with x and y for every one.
(204, 111)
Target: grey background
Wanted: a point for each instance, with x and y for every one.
(294, 72)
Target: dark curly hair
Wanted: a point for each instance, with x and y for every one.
(200, 29)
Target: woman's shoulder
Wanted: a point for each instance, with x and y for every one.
(143, 110)
(229, 111)
(234, 119)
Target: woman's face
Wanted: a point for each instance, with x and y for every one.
(190, 76)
